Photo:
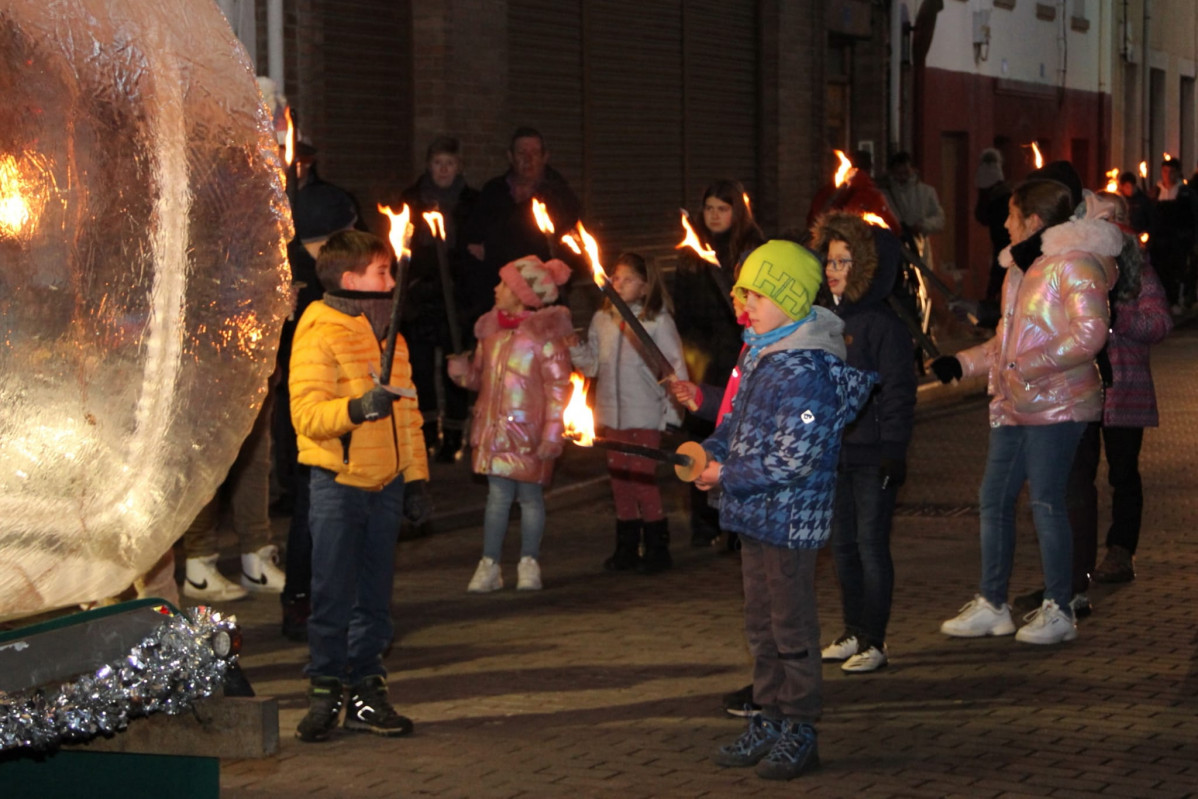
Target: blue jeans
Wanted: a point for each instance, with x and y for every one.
(861, 524)
(1043, 456)
(502, 491)
(353, 567)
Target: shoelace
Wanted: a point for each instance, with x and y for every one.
(796, 739)
(753, 737)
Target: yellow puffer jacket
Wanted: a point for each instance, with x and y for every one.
(331, 361)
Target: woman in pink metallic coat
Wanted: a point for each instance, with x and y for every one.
(521, 371)
(1045, 387)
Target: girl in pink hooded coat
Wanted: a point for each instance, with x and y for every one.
(1045, 388)
(521, 371)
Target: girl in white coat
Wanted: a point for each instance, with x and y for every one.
(632, 406)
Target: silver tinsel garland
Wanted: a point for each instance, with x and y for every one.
(184, 659)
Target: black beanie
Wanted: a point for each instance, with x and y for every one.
(321, 209)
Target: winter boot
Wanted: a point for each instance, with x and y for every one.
(657, 548)
(451, 444)
(370, 711)
(296, 611)
(628, 544)
(324, 706)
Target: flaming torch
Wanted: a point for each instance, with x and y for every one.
(844, 171)
(691, 239)
(1144, 238)
(654, 357)
(1036, 155)
(400, 235)
(1144, 175)
(1112, 180)
(436, 223)
(544, 223)
(291, 181)
(688, 460)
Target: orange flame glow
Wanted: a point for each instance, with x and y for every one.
(570, 242)
(1143, 238)
(875, 220)
(1112, 180)
(592, 250)
(692, 240)
(842, 172)
(289, 143)
(1165, 156)
(436, 223)
(1036, 154)
(25, 187)
(541, 213)
(577, 417)
(748, 205)
(1144, 169)
(401, 230)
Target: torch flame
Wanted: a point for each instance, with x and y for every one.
(875, 220)
(1144, 169)
(1143, 238)
(842, 172)
(1039, 158)
(1112, 180)
(401, 230)
(436, 223)
(1166, 157)
(592, 249)
(577, 417)
(692, 241)
(289, 143)
(748, 205)
(541, 213)
(570, 242)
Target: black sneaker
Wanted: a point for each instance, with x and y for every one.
(369, 710)
(324, 706)
(740, 703)
(795, 752)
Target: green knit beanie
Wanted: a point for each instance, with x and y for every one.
(787, 273)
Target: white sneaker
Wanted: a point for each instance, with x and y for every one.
(260, 572)
(867, 660)
(978, 618)
(842, 648)
(529, 575)
(487, 577)
(1047, 624)
(203, 581)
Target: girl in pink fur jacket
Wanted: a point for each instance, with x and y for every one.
(521, 371)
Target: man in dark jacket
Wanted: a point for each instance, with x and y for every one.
(1171, 237)
(502, 227)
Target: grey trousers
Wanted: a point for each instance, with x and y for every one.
(782, 627)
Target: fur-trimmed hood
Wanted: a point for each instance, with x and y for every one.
(546, 324)
(876, 259)
(1095, 236)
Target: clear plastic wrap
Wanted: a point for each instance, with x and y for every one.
(143, 283)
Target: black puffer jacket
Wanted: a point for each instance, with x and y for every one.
(876, 338)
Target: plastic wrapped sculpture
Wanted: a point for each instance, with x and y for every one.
(143, 282)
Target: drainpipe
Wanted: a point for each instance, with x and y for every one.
(1146, 100)
(274, 42)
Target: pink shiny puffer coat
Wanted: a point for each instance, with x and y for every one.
(522, 377)
(1055, 320)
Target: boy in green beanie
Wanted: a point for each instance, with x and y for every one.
(774, 457)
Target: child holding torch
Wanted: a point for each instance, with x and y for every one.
(632, 406)
(521, 371)
(364, 445)
(775, 458)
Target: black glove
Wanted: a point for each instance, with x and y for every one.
(374, 404)
(894, 472)
(947, 368)
(417, 506)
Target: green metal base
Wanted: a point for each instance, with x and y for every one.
(69, 774)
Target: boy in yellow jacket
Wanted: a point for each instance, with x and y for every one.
(358, 437)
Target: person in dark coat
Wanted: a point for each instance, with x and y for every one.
(860, 265)
(426, 320)
(707, 323)
(1172, 235)
(502, 228)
